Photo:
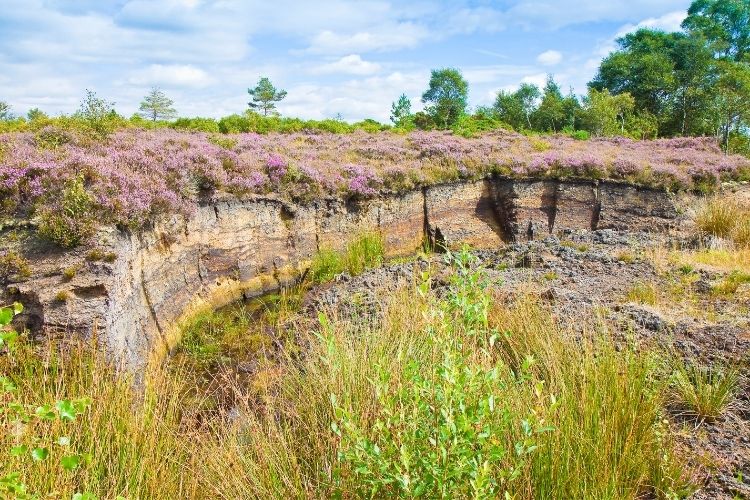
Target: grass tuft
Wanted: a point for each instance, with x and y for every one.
(704, 392)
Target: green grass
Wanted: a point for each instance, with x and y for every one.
(731, 283)
(451, 395)
(704, 393)
(643, 293)
(364, 252)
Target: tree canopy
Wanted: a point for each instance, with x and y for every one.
(265, 96)
(447, 96)
(157, 106)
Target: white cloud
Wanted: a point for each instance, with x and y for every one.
(668, 22)
(356, 99)
(539, 79)
(536, 14)
(381, 38)
(178, 75)
(549, 58)
(352, 64)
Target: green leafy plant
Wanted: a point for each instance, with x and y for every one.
(71, 222)
(30, 443)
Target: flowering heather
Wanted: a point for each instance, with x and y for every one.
(137, 174)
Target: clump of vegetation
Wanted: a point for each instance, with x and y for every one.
(71, 221)
(626, 257)
(70, 272)
(704, 392)
(13, 266)
(581, 247)
(80, 426)
(725, 218)
(643, 293)
(97, 254)
(215, 336)
(364, 252)
(62, 296)
(731, 283)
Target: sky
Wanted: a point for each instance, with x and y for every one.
(333, 57)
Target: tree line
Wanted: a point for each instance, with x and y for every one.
(656, 84)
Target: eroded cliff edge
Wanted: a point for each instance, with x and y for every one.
(230, 248)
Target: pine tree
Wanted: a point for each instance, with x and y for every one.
(5, 113)
(157, 106)
(401, 110)
(265, 95)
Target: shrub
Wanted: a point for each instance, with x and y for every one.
(703, 392)
(71, 221)
(13, 267)
(741, 231)
(440, 433)
(69, 273)
(196, 124)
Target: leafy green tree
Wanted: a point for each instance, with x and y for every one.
(694, 68)
(5, 113)
(528, 94)
(550, 115)
(643, 68)
(732, 99)
(423, 121)
(604, 114)
(509, 109)
(571, 107)
(401, 110)
(725, 24)
(265, 96)
(157, 106)
(36, 114)
(446, 97)
(98, 113)
(642, 125)
(516, 108)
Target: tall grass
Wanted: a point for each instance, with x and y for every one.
(129, 438)
(366, 251)
(725, 218)
(703, 393)
(451, 394)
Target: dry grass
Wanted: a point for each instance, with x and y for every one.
(725, 217)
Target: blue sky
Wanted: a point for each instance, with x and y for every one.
(333, 57)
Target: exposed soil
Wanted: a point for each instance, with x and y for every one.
(606, 275)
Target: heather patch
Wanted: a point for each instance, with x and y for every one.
(135, 175)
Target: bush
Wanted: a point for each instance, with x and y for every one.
(725, 218)
(196, 124)
(71, 221)
(717, 217)
(13, 267)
